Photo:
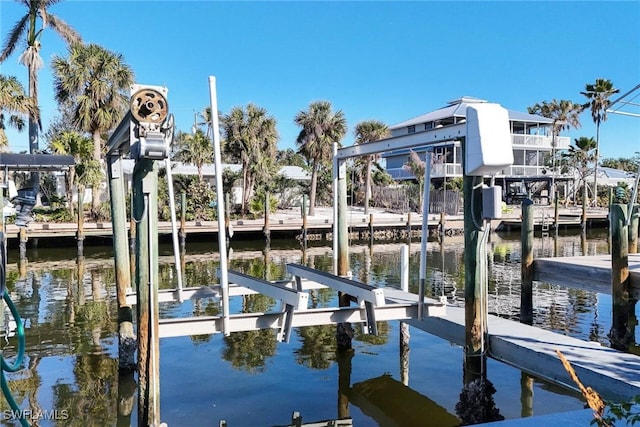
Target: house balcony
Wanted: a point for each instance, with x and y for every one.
(540, 141)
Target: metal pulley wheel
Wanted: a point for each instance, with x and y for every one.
(149, 105)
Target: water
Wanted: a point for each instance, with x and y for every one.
(249, 379)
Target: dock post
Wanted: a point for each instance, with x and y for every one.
(266, 229)
(443, 225)
(474, 292)
(126, 337)
(23, 239)
(145, 204)
(409, 228)
(344, 331)
(183, 220)
(132, 241)
(80, 231)
(304, 220)
(620, 335)
(633, 229)
(526, 274)
(556, 212)
(227, 218)
(404, 268)
(371, 229)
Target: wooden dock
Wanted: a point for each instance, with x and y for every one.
(613, 374)
(592, 273)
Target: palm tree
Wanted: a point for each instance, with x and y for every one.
(194, 149)
(580, 155)
(369, 131)
(565, 115)
(321, 127)
(81, 148)
(251, 137)
(598, 95)
(26, 27)
(94, 80)
(16, 104)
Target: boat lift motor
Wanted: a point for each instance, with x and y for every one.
(149, 111)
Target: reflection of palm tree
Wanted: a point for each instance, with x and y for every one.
(318, 348)
(249, 350)
(94, 401)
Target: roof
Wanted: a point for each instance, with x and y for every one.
(458, 108)
(35, 162)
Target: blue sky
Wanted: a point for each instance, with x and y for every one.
(388, 61)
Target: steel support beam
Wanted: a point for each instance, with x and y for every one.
(204, 325)
(418, 139)
(363, 292)
(297, 299)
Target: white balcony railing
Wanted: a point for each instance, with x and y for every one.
(540, 141)
(446, 169)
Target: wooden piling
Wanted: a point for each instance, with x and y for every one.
(80, 232)
(145, 204)
(633, 230)
(266, 229)
(183, 221)
(443, 225)
(475, 311)
(304, 220)
(23, 239)
(409, 228)
(344, 331)
(126, 336)
(620, 335)
(526, 259)
(227, 218)
(556, 212)
(371, 232)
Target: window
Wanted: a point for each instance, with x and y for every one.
(518, 157)
(412, 129)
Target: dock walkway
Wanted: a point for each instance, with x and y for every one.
(592, 273)
(613, 374)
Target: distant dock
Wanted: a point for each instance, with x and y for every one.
(385, 225)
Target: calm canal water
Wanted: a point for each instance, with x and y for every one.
(249, 379)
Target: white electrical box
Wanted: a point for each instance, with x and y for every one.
(492, 202)
(488, 149)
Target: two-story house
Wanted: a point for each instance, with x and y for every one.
(533, 144)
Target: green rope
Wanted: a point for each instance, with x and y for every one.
(17, 363)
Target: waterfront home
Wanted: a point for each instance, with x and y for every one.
(533, 145)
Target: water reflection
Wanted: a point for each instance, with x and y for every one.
(70, 312)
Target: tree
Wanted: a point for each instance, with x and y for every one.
(365, 132)
(251, 136)
(565, 115)
(26, 28)
(94, 80)
(81, 148)
(194, 149)
(581, 155)
(321, 127)
(16, 104)
(598, 95)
